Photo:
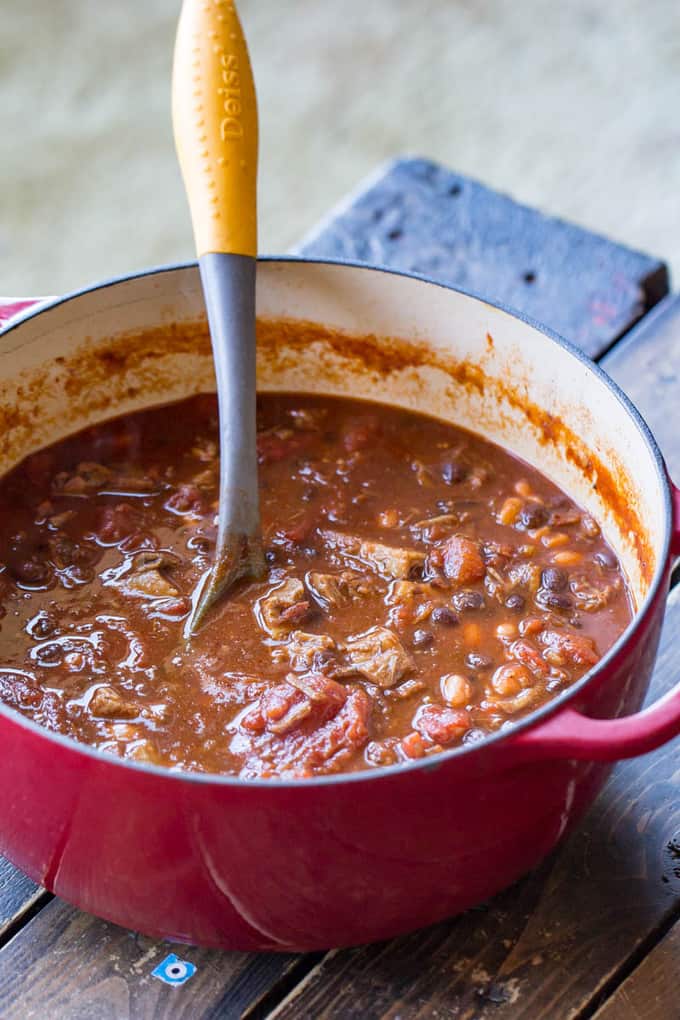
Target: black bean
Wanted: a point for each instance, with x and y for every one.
(80, 574)
(83, 556)
(270, 556)
(31, 572)
(453, 472)
(64, 550)
(467, 600)
(416, 572)
(200, 544)
(445, 616)
(16, 543)
(515, 602)
(422, 638)
(558, 501)
(554, 579)
(606, 558)
(553, 600)
(49, 655)
(478, 662)
(533, 515)
(41, 626)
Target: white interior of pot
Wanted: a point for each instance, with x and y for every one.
(45, 395)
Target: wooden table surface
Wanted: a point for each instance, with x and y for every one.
(593, 932)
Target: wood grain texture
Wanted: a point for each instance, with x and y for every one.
(652, 992)
(67, 965)
(646, 365)
(547, 947)
(419, 217)
(18, 896)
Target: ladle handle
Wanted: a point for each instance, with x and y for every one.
(214, 113)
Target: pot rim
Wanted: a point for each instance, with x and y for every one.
(442, 758)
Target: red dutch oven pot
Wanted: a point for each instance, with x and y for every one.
(309, 864)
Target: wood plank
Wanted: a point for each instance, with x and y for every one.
(651, 992)
(548, 946)
(66, 964)
(647, 366)
(420, 217)
(18, 897)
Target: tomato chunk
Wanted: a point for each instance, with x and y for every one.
(279, 445)
(116, 523)
(307, 725)
(441, 725)
(570, 648)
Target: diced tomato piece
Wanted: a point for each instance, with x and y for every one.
(116, 523)
(413, 746)
(576, 649)
(334, 509)
(19, 691)
(440, 724)
(303, 729)
(361, 433)
(525, 652)
(278, 701)
(341, 736)
(274, 446)
(175, 608)
(297, 534)
(297, 613)
(322, 696)
(253, 721)
(188, 499)
(38, 467)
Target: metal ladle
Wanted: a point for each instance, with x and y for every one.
(214, 111)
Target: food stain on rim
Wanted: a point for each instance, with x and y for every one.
(280, 340)
(110, 377)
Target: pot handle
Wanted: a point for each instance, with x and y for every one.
(569, 734)
(11, 306)
(675, 537)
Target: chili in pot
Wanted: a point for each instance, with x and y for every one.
(425, 588)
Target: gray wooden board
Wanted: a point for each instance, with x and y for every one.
(646, 364)
(17, 896)
(652, 992)
(68, 965)
(417, 216)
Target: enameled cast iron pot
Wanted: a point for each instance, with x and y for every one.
(310, 864)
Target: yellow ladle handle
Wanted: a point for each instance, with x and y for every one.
(214, 114)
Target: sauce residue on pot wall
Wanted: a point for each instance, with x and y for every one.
(105, 377)
(281, 340)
